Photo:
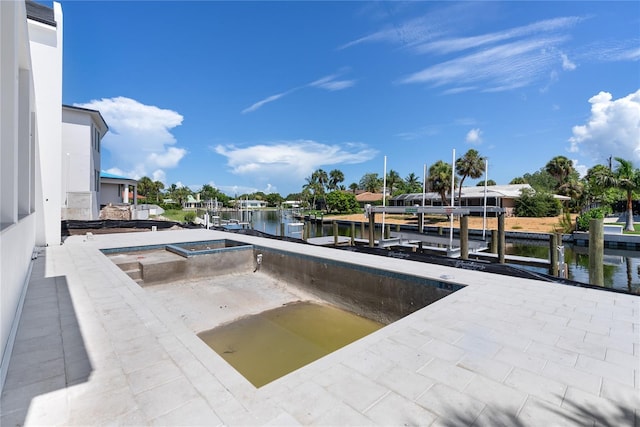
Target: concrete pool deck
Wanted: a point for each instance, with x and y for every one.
(93, 348)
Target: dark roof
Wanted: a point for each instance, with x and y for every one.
(88, 110)
(41, 13)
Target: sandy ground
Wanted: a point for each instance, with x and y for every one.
(534, 225)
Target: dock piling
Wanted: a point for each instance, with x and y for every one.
(553, 254)
(464, 237)
(353, 234)
(596, 252)
(372, 225)
(493, 245)
(501, 239)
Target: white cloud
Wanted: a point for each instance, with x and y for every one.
(612, 130)
(327, 82)
(267, 100)
(567, 65)
(290, 160)
(612, 51)
(496, 69)
(159, 175)
(474, 136)
(581, 169)
(139, 138)
(464, 43)
(330, 83)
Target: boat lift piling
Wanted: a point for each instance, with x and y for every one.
(497, 239)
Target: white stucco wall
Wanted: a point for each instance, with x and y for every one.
(80, 164)
(110, 193)
(46, 60)
(17, 168)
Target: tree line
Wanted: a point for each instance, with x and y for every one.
(604, 187)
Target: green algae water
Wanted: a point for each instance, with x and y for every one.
(269, 345)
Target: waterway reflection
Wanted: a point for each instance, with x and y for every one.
(621, 268)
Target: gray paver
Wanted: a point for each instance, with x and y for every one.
(496, 395)
(404, 382)
(498, 352)
(543, 388)
(573, 377)
(621, 374)
(451, 404)
(395, 410)
(520, 359)
(452, 375)
(490, 368)
(195, 412)
(602, 411)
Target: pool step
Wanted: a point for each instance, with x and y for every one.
(135, 273)
(128, 265)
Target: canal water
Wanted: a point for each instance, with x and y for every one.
(621, 268)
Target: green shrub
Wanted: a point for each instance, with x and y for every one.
(537, 204)
(190, 216)
(170, 206)
(342, 202)
(596, 213)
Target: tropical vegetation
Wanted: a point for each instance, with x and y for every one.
(601, 188)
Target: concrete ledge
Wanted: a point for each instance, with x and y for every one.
(613, 241)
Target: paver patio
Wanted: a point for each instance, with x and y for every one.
(94, 348)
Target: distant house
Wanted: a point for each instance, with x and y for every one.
(198, 203)
(367, 197)
(291, 204)
(82, 133)
(191, 202)
(250, 204)
(115, 190)
(503, 196)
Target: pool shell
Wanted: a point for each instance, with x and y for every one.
(381, 295)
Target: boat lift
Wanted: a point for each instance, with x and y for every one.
(462, 211)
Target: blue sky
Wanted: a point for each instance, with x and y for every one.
(254, 96)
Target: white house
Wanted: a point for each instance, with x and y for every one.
(82, 133)
(114, 189)
(503, 196)
(250, 204)
(30, 149)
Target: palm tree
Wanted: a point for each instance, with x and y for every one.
(145, 186)
(335, 178)
(440, 179)
(471, 164)
(392, 178)
(159, 186)
(626, 178)
(321, 178)
(313, 187)
(560, 168)
(574, 189)
(370, 182)
(353, 187)
(413, 183)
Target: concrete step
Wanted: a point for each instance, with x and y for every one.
(135, 274)
(126, 264)
(140, 282)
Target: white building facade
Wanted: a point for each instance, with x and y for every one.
(30, 148)
(82, 133)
